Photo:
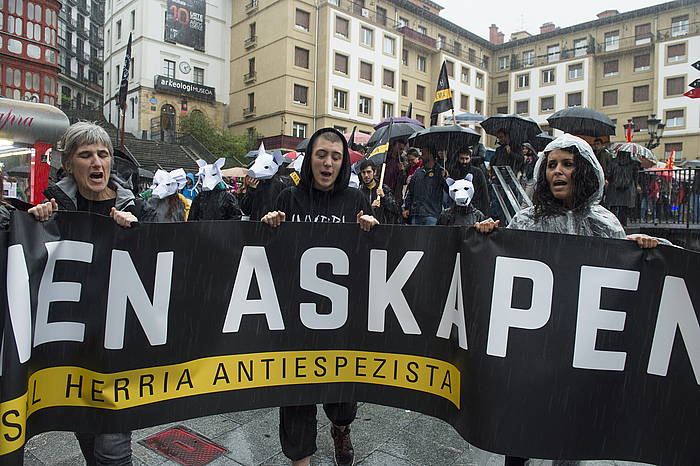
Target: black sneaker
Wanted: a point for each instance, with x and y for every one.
(344, 454)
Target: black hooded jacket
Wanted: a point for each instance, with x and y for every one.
(256, 202)
(217, 204)
(304, 203)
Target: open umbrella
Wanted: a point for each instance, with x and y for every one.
(397, 131)
(235, 172)
(690, 164)
(520, 129)
(582, 120)
(302, 146)
(360, 138)
(637, 151)
(401, 119)
(540, 141)
(448, 138)
(467, 118)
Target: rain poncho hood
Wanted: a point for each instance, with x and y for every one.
(306, 176)
(592, 219)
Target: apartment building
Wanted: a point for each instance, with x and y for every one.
(344, 64)
(629, 66)
(180, 57)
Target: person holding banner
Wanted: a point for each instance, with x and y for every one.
(5, 209)
(322, 195)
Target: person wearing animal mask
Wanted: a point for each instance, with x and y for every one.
(263, 184)
(163, 201)
(213, 202)
(462, 212)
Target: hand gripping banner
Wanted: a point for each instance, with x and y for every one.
(596, 341)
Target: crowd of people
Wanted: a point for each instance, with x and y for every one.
(418, 186)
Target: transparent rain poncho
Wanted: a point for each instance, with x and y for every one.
(592, 220)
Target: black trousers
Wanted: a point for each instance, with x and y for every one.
(106, 449)
(298, 426)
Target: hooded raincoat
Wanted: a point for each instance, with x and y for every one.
(592, 220)
(68, 198)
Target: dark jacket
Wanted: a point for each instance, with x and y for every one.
(622, 176)
(65, 192)
(257, 202)
(304, 203)
(459, 215)
(389, 211)
(5, 216)
(481, 188)
(514, 159)
(425, 192)
(217, 204)
(171, 209)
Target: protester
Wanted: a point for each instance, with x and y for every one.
(602, 153)
(321, 196)
(506, 154)
(478, 152)
(262, 184)
(462, 212)
(393, 177)
(528, 179)
(5, 210)
(189, 191)
(695, 197)
(424, 198)
(462, 168)
(384, 207)
(87, 157)
(214, 202)
(622, 185)
(413, 162)
(163, 202)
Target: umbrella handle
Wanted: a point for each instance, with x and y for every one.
(381, 178)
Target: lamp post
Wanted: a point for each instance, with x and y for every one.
(656, 131)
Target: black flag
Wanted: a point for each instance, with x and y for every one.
(443, 96)
(409, 112)
(378, 153)
(124, 85)
(351, 142)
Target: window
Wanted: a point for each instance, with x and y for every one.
(485, 61)
(546, 104)
(334, 2)
(472, 55)
(302, 20)
(576, 71)
(464, 75)
(119, 29)
(478, 106)
(610, 68)
(301, 94)
(340, 99)
(640, 123)
(403, 22)
(169, 68)
(299, 129)
(342, 27)
(341, 63)
(675, 52)
(251, 67)
(422, 30)
(580, 47)
(640, 93)
(609, 98)
(679, 26)
(642, 62)
(612, 40)
(198, 75)
(529, 58)
(132, 67)
(404, 57)
(388, 80)
(252, 31)
(450, 68)
(675, 86)
(523, 81)
(133, 19)
(381, 15)
(420, 63)
(118, 75)
(389, 46)
(671, 147)
(642, 34)
(366, 71)
(301, 57)
(457, 48)
(441, 41)
(420, 92)
(502, 110)
(366, 37)
(387, 109)
(553, 53)
(675, 118)
(404, 88)
(365, 105)
(479, 80)
(548, 76)
(420, 118)
(503, 62)
(464, 102)
(522, 107)
(502, 87)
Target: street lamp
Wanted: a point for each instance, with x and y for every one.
(656, 131)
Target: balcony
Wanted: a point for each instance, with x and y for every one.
(250, 42)
(624, 44)
(83, 8)
(97, 64)
(251, 7)
(248, 112)
(249, 78)
(368, 15)
(417, 37)
(83, 32)
(83, 57)
(70, 23)
(678, 31)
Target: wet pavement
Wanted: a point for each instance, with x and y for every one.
(381, 436)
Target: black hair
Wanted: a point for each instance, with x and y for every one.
(364, 164)
(306, 175)
(413, 151)
(585, 184)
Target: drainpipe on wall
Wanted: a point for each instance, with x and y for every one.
(316, 68)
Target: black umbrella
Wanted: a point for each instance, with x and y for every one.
(398, 130)
(303, 145)
(448, 138)
(582, 121)
(520, 129)
(540, 141)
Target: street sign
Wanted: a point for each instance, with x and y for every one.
(695, 84)
(696, 65)
(693, 93)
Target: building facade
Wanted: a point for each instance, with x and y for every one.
(28, 52)
(80, 45)
(180, 63)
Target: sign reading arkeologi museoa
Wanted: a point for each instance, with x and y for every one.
(110, 329)
(178, 87)
(184, 22)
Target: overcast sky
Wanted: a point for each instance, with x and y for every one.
(511, 15)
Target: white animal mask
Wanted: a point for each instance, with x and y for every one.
(298, 162)
(354, 180)
(166, 184)
(266, 164)
(461, 191)
(209, 175)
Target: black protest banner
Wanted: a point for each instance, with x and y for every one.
(110, 329)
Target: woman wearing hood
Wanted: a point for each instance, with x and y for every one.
(163, 201)
(322, 195)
